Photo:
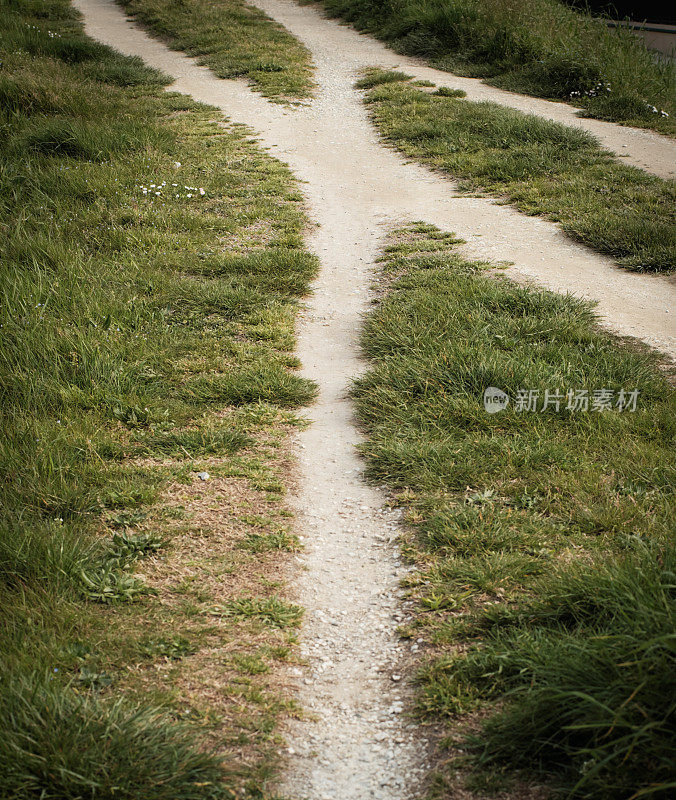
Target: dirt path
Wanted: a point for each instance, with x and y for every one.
(642, 148)
(361, 745)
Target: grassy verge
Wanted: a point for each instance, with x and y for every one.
(152, 264)
(234, 39)
(539, 47)
(541, 167)
(543, 539)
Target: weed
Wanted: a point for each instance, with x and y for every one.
(250, 664)
(446, 91)
(93, 680)
(173, 647)
(127, 545)
(108, 584)
(270, 610)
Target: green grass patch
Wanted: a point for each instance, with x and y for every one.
(545, 551)
(271, 611)
(58, 744)
(446, 91)
(153, 262)
(208, 440)
(234, 39)
(376, 77)
(541, 167)
(250, 664)
(274, 540)
(539, 47)
(173, 647)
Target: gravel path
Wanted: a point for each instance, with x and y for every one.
(361, 744)
(642, 148)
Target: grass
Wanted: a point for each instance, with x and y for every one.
(153, 262)
(59, 744)
(234, 39)
(545, 551)
(378, 77)
(539, 47)
(270, 610)
(541, 167)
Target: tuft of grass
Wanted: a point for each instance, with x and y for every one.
(173, 647)
(541, 167)
(539, 47)
(234, 39)
(275, 540)
(190, 443)
(250, 664)
(545, 552)
(374, 76)
(60, 743)
(271, 611)
(446, 91)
